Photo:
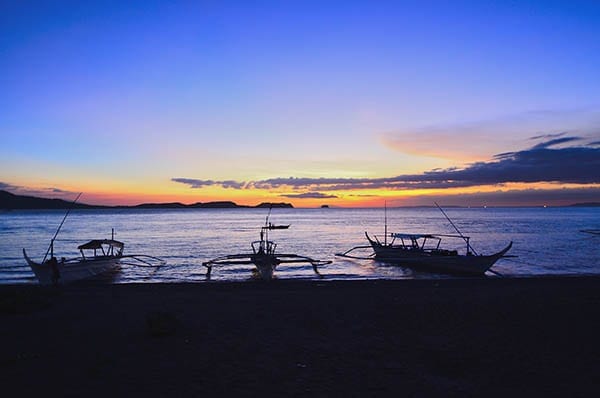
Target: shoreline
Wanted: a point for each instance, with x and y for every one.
(467, 336)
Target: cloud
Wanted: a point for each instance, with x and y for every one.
(46, 192)
(515, 197)
(7, 187)
(195, 183)
(309, 195)
(543, 162)
(556, 141)
(58, 190)
(547, 136)
(478, 140)
(232, 184)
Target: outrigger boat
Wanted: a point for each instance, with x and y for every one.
(263, 255)
(423, 252)
(102, 255)
(97, 256)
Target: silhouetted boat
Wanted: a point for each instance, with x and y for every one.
(102, 255)
(263, 255)
(272, 226)
(97, 257)
(591, 231)
(413, 251)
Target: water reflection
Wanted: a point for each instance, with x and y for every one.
(546, 241)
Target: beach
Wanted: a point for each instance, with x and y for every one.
(459, 337)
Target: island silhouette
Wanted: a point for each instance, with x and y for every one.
(22, 202)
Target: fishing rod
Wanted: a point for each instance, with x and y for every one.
(51, 247)
(457, 230)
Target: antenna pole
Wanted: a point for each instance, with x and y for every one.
(457, 230)
(51, 248)
(268, 214)
(267, 224)
(385, 223)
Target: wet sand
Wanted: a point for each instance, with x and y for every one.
(464, 337)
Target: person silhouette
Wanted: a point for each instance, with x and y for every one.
(53, 263)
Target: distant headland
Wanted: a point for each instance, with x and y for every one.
(586, 204)
(20, 202)
(10, 201)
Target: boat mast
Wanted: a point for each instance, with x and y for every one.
(385, 223)
(469, 248)
(267, 228)
(51, 248)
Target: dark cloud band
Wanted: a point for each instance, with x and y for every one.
(309, 195)
(541, 163)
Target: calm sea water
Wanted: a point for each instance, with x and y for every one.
(547, 241)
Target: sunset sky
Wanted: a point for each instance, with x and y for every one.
(337, 102)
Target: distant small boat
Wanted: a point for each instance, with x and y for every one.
(272, 226)
(591, 231)
(263, 255)
(97, 257)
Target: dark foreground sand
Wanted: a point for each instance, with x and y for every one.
(482, 337)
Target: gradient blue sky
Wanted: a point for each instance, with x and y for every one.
(119, 98)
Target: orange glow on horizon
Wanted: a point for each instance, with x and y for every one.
(119, 193)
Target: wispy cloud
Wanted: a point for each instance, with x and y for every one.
(513, 197)
(58, 190)
(47, 191)
(544, 162)
(7, 187)
(309, 195)
(478, 140)
(556, 141)
(547, 136)
(196, 183)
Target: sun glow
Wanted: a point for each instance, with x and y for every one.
(191, 108)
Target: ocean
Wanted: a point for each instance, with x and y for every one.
(546, 241)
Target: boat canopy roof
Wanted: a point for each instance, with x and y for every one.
(425, 236)
(413, 236)
(97, 244)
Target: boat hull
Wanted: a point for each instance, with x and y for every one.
(69, 271)
(445, 262)
(265, 265)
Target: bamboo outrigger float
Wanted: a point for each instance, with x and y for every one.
(423, 252)
(263, 255)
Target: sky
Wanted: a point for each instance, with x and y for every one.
(343, 103)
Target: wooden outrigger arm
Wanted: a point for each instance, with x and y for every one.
(346, 255)
(246, 259)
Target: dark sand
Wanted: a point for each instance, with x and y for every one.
(467, 337)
